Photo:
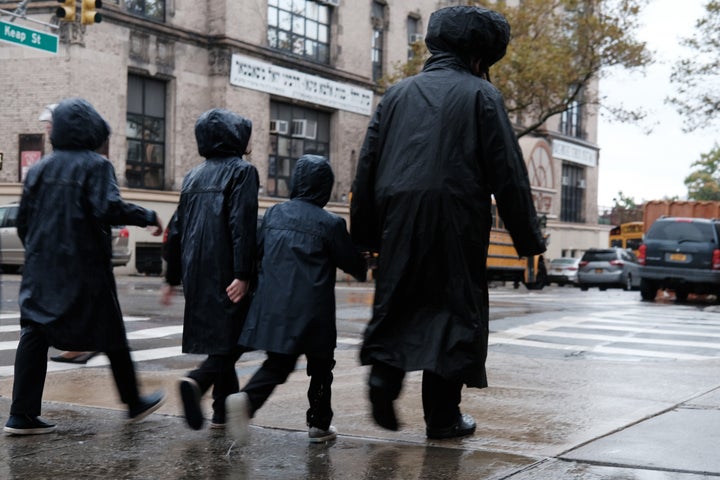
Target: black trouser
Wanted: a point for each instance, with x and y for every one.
(218, 371)
(275, 371)
(440, 396)
(31, 370)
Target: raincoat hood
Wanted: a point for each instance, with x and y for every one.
(222, 133)
(313, 180)
(77, 126)
(468, 32)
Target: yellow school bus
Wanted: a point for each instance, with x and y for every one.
(627, 235)
(503, 263)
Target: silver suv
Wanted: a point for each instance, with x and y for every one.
(12, 252)
(680, 254)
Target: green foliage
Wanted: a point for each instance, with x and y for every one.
(704, 182)
(697, 76)
(625, 209)
(558, 51)
(621, 201)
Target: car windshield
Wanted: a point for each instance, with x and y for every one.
(602, 256)
(563, 261)
(682, 231)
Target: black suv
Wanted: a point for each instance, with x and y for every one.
(681, 254)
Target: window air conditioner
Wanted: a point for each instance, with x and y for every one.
(279, 126)
(581, 183)
(332, 3)
(565, 181)
(416, 37)
(304, 128)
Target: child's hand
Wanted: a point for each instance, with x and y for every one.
(237, 290)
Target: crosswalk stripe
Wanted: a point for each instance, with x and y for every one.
(15, 327)
(530, 331)
(608, 324)
(597, 349)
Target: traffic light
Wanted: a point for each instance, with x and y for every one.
(88, 13)
(66, 13)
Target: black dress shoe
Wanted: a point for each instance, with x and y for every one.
(465, 425)
(383, 411)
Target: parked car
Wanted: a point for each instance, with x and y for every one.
(563, 270)
(681, 254)
(607, 268)
(12, 251)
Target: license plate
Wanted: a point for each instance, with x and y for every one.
(678, 257)
(598, 270)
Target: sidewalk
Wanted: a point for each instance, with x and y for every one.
(531, 425)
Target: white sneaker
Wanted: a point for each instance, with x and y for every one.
(237, 416)
(318, 435)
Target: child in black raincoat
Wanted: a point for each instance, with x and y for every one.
(210, 249)
(301, 245)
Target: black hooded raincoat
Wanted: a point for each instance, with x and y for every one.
(211, 238)
(301, 246)
(438, 146)
(70, 200)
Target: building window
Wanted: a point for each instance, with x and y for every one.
(378, 39)
(154, 9)
(573, 193)
(571, 121)
(414, 34)
(145, 133)
(294, 131)
(301, 27)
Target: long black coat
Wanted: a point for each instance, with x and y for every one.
(211, 238)
(437, 147)
(70, 200)
(301, 245)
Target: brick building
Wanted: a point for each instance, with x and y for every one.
(304, 71)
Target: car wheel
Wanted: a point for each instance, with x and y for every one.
(627, 286)
(648, 289)
(584, 289)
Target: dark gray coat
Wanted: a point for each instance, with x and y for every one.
(69, 202)
(211, 238)
(438, 146)
(301, 246)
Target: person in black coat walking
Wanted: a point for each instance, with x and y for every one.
(210, 249)
(439, 146)
(301, 246)
(68, 298)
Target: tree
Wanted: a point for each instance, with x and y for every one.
(704, 182)
(697, 77)
(625, 209)
(559, 49)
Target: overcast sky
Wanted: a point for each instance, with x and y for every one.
(649, 167)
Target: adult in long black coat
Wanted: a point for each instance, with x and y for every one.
(293, 311)
(437, 147)
(68, 298)
(210, 248)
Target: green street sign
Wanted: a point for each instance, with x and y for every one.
(11, 33)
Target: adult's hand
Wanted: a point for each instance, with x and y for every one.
(237, 290)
